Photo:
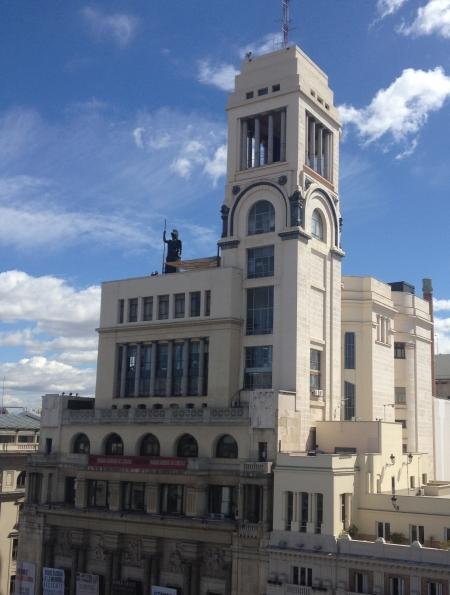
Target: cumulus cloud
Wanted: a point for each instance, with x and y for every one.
(269, 43)
(433, 18)
(399, 111)
(197, 154)
(119, 27)
(217, 75)
(441, 305)
(388, 7)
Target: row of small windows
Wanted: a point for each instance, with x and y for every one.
(149, 446)
(141, 309)
(263, 91)
(261, 219)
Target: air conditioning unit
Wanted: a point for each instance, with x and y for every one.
(317, 393)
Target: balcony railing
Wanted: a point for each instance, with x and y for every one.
(18, 447)
(256, 468)
(287, 589)
(165, 415)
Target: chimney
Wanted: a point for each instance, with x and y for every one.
(427, 290)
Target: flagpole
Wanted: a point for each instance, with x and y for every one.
(164, 249)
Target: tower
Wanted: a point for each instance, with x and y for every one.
(281, 228)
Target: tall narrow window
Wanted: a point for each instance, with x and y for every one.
(349, 351)
(417, 533)
(319, 513)
(260, 311)
(194, 300)
(133, 496)
(289, 510)
(145, 370)
(263, 138)
(171, 499)
(121, 310)
(302, 576)
(252, 503)
(133, 310)
(193, 368)
(207, 302)
(177, 369)
(258, 367)
(260, 262)
(261, 218)
(304, 511)
(400, 395)
(399, 350)
(147, 308)
(349, 401)
(130, 370)
(319, 147)
(315, 370)
(163, 307)
(179, 305)
(317, 227)
(161, 369)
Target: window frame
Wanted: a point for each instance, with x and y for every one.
(264, 262)
(259, 310)
(350, 350)
(256, 224)
(262, 373)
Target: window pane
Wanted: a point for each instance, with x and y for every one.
(349, 401)
(349, 351)
(132, 310)
(145, 369)
(260, 262)
(130, 370)
(179, 305)
(399, 351)
(163, 307)
(260, 311)
(194, 297)
(258, 367)
(161, 369)
(147, 308)
(261, 218)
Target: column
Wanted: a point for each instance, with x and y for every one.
(312, 142)
(257, 142)
(169, 369)
(249, 149)
(311, 526)
(195, 578)
(80, 493)
(244, 144)
(319, 149)
(283, 136)
(201, 367)
(326, 155)
(123, 375)
(184, 379)
(137, 374)
(73, 571)
(114, 496)
(109, 571)
(187, 571)
(295, 525)
(270, 140)
(264, 499)
(153, 368)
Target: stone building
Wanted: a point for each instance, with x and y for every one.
(228, 450)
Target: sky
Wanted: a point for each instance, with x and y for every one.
(112, 120)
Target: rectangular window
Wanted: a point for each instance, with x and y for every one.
(98, 493)
(399, 350)
(35, 487)
(133, 496)
(14, 548)
(145, 370)
(161, 369)
(69, 491)
(260, 262)
(424, 479)
(302, 576)
(260, 311)
(194, 301)
(400, 395)
(193, 367)
(252, 503)
(349, 401)
(258, 367)
(434, 588)
(349, 351)
(147, 308)
(121, 310)
(179, 305)
(447, 534)
(130, 370)
(22, 438)
(401, 421)
(319, 147)
(319, 514)
(263, 91)
(397, 585)
(315, 365)
(384, 530)
(177, 369)
(207, 302)
(133, 310)
(163, 307)
(262, 451)
(304, 511)
(249, 95)
(6, 438)
(276, 88)
(361, 582)
(171, 499)
(263, 138)
(221, 501)
(289, 510)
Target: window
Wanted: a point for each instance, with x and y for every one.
(424, 479)
(397, 585)
(221, 501)
(35, 488)
(447, 534)
(163, 307)
(258, 367)
(302, 576)
(145, 365)
(260, 311)
(261, 218)
(289, 510)
(252, 503)
(133, 496)
(130, 370)
(384, 530)
(69, 491)
(304, 511)
(349, 351)
(161, 369)
(249, 95)
(171, 499)
(177, 368)
(317, 229)
(120, 313)
(14, 548)
(260, 262)
(48, 445)
(383, 330)
(6, 438)
(262, 451)
(412, 482)
(319, 513)
(147, 309)
(98, 493)
(187, 447)
(207, 302)
(263, 138)
(349, 401)
(227, 448)
(149, 446)
(133, 310)
(263, 91)
(25, 438)
(194, 299)
(20, 482)
(114, 445)
(194, 368)
(401, 421)
(179, 305)
(399, 350)
(12, 584)
(81, 444)
(434, 588)
(275, 88)
(360, 582)
(319, 147)
(400, 395)
(315, 365)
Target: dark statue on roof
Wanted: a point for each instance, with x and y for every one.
(174, 248)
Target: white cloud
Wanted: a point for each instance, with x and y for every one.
(442, 329)
(388, 7)
(269, 43)
(217, 75)
(434, 17)
(119, 27)
(217, 166)
(441, 305)
(399, 111)
(196, 153)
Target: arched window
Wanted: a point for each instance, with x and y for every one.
(81, 444)
(227, 448)
(317, 226)
(20, 483)
(261, 218)
(114, 445)
(187, 446)
(149, 446)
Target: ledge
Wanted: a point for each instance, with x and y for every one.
(295, 234)
(228, 244)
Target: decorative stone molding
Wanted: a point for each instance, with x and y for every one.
(295, 234)
(228, 245)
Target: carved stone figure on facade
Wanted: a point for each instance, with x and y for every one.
(174, 249)
(297, 203)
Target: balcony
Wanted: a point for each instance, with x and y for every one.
(287, 589)
(201, 415)
(14, 447)
(255, 468)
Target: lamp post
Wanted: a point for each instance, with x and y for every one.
(409, 459)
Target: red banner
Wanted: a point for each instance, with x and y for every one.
(138, 462)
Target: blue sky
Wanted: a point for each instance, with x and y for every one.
(112, 119)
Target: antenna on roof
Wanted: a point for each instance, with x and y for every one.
(285, 28)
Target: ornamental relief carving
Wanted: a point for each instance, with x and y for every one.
(132, 553)
(214, 562)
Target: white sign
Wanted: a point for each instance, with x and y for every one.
(25, 577)
(163, 591)
(53, 581)
(87, 584)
